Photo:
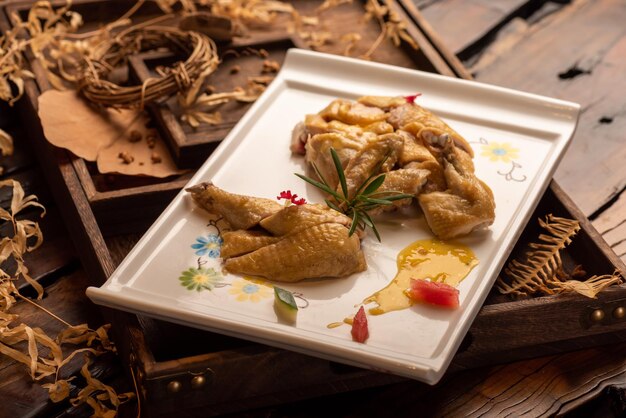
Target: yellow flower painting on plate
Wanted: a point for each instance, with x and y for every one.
(500, 151)
(252, 290)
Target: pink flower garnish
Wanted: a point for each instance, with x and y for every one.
(291, 198)
(411, 99)
(286, 194)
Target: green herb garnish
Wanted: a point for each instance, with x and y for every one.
(365, 199)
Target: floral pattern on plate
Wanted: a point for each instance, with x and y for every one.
(208, 275)
(250, 290)
(503, 152)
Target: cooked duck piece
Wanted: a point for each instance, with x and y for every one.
(352, 113)
(379, 128)
(323, 250)
(385, 147)
(414, 154)
(318, 153)
(413, 150)
(241, 242)
(241, 212)
(424, 124)
(353, 131)
(383, 102)
(403, 180)
(313, 124)
(294, 218)
(297, 242)
(466, 205)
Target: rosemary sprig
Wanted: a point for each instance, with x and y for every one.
(366, 197)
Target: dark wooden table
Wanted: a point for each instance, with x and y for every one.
(571, 50)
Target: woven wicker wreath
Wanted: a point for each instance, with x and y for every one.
(202, 60)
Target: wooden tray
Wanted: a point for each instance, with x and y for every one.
(190, 146)
(187, 371)
(113, 198)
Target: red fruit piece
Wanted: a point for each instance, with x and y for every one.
(359, 327)
(439, 294)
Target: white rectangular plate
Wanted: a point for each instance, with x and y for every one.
(518, 139)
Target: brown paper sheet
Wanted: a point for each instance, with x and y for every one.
(101, 135)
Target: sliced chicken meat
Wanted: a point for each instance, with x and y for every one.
(424, 124)
(241, 212)
(318, 153)
(383, 102)
(320, 251)
(295, 218)
(466, 205)
(377, 156)
(422, 156)
(352, 113)
(242, 241)
(289, 243)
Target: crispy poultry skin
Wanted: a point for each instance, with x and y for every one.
(289, 244)
(242, 242)
(241, 212)
(318, 153)
(324, 250)
(424, 124)
(383, 151)
(295, 218)
(467, 204)
(422, 156)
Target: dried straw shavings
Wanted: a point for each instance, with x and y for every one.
(43, 355)
(102, 135)
(538, 273)
(6, 146)
(26, 238)
(6, 143)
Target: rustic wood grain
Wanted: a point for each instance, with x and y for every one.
(612, 225)
(579, 57)
(54, 265)
(462, 23)
(56, 254)
(192, 146)
(575, 53)
(543, 387)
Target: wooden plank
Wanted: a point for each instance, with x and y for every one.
(550, 386)
(72, 202)
(612, 225)
(579, 57)
(462, 23)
